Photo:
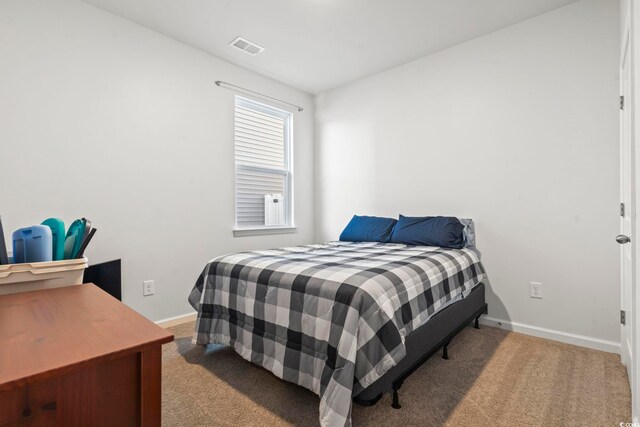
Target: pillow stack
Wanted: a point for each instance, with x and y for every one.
(442, 231)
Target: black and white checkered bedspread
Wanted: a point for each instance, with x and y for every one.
(332, 317)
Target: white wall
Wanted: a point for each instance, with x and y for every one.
(518, 130)
(102, 118)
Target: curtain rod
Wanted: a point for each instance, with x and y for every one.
(229, 85)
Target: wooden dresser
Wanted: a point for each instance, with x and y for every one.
(75, 356)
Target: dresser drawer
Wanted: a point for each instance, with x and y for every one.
(104, 394)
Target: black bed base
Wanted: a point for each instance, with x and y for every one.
(426, 341)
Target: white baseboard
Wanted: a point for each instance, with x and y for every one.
(177, 320)
(565, 337)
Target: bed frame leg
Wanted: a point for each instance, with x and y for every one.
(396, 400)
(477, 323)
(445, 352)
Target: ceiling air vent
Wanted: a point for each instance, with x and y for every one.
(246, 46)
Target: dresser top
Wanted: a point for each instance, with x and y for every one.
(44, 333)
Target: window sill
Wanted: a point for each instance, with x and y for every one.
(263, 231)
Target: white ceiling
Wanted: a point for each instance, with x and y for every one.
(316, 45)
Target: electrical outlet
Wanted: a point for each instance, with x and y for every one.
(148, 288)
(535, 290)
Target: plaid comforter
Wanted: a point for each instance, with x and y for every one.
(332, 317)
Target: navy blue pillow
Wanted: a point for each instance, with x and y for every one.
(368, 229)
(443, 231)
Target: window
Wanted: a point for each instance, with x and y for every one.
(264, 190)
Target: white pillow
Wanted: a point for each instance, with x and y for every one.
(469, 232)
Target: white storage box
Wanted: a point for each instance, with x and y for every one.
(41, 275)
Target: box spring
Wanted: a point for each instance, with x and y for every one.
(426, 341)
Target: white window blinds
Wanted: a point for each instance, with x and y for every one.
(263, 165)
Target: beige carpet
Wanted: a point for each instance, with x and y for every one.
(493, 378)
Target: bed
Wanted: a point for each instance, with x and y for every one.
(349, 321)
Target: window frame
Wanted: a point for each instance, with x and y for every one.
(287, 171)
